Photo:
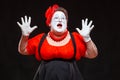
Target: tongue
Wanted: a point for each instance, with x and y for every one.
(59, 25)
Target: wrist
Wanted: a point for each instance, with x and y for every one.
(25, 34)
(87, 38)
(25, 37)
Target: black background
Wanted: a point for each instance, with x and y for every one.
(105, 16)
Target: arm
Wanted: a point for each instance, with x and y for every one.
(22, 45)
(91, 51)
(26, 30)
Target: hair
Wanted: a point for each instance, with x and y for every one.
(51, 10)
(63, 10)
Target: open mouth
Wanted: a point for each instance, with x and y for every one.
(59, 25)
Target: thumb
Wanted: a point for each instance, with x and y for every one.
(33, 28)
(19, 24)
(79, 31)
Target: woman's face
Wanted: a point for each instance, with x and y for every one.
(58, 22)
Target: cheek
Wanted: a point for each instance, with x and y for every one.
(65, 24)
(53, 26)
(53, 23)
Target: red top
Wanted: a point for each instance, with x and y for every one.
(50, 52)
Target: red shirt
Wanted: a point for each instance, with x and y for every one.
(50, 52)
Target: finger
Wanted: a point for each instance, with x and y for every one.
(22, 20)
(19, 24)
(82, 23)
(79, 31)
(90, 23)
(25, 19)
(91, 27)
(29, 20)
(34, 27)
(86, 20)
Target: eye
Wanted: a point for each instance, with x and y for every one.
(63, 18)
(56, 18)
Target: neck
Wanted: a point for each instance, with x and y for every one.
(58, 36)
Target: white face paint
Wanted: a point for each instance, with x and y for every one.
(59, 22)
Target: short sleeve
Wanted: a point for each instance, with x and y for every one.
(32, 45)
(80, 45)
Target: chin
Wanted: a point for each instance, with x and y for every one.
(59, 32)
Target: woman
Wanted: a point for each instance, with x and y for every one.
(58, 50)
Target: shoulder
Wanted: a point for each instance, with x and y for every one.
(77, 36)
(37, 37)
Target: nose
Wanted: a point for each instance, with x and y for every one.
(60, 19)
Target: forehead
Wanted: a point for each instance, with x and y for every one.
(59, 13)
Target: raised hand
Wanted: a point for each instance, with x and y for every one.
(86, 29)
(25, 26)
